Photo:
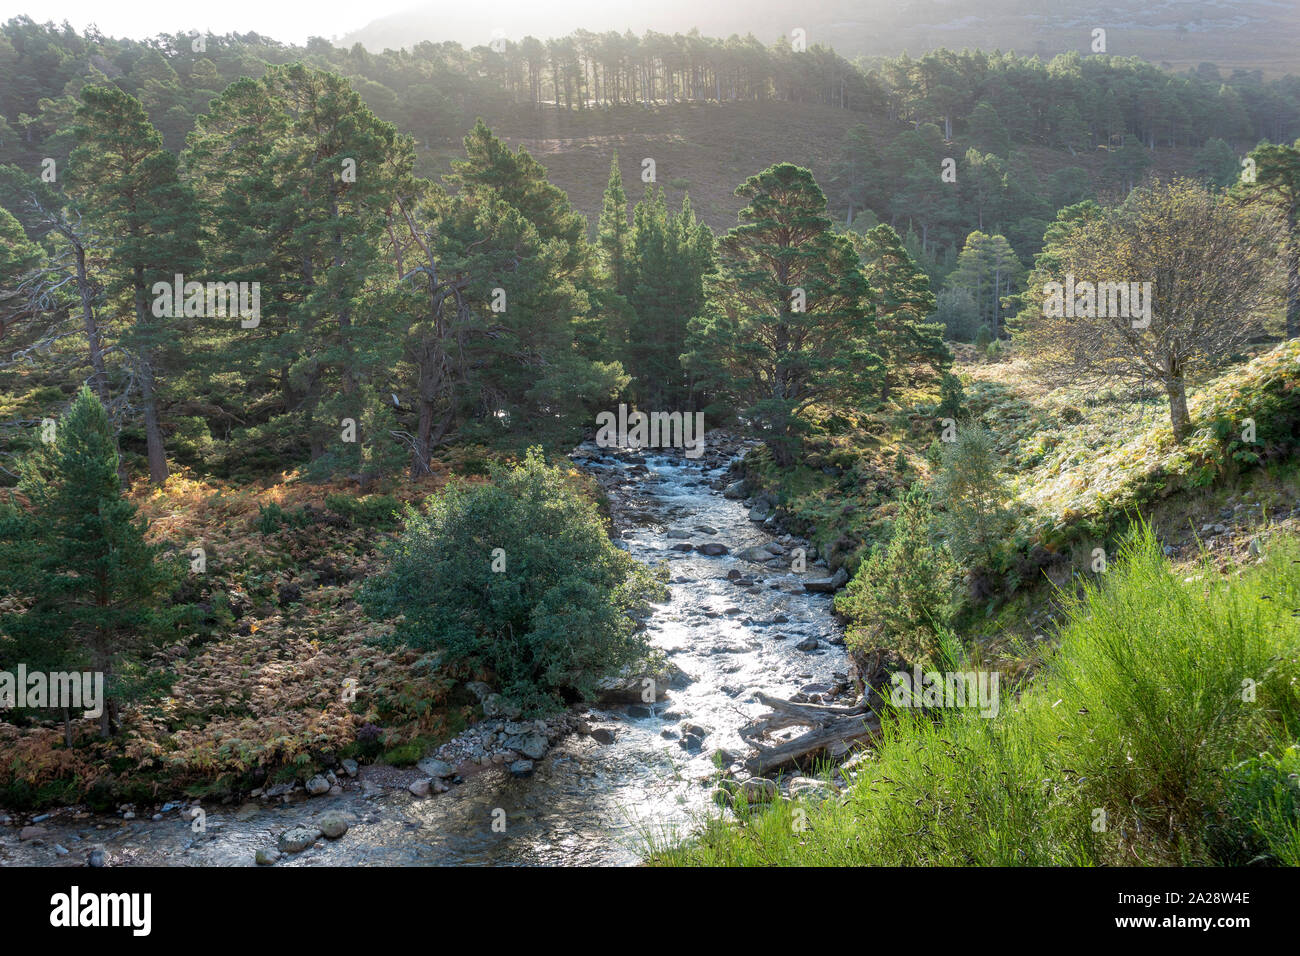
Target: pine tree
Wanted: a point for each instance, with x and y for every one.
(903, 301)
(788, 320)
(902, 596)
(613, 231)
(990, 270)
(1276, 185)
(130, 190)
(92, 593)
(975, 498)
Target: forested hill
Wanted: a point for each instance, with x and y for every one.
(1044, 134)
(1254, 33)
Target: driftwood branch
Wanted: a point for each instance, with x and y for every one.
(833, 729)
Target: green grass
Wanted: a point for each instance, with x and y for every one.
(1138, 720)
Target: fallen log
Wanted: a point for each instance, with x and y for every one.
(843, 731)
(834, 728)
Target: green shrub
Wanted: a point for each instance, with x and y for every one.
(975, 497)
(952, 397)
(368, 511)
(901, 598)
(271, 518)
(1260, 817)
(558, 613)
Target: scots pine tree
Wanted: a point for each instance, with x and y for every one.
(92, 593)
(788, 321)
(132, 195)
(903, 302)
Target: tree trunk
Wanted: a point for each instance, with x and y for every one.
(152, 426)
(1178, 416)
(1293, 287)
(99, 381)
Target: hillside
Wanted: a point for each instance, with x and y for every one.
(1235, 34)
(706, 150)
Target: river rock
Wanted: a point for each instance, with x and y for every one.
(602, 735)
(678, 535)
(267, 856)
(32, 833)
(631, 684)
(828, 585)
(808, 644)
(297, 839)
(759, 790)
(436, 768)
(712, 549)
(530, 745)
(421, 787)
(333, 825)
(758, 554)
(734, 490)
(521, 768)
(318, 785)
(683, 547)
(810, 788)
(350, 766)
(494, 705)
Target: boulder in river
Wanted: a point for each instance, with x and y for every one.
(436, 768)
(297, 839)
(712, 549)
(636, 684)
(828, 585)
(521, 768)
(333, 825)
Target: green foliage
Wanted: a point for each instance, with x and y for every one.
(92, 593)
(970, 486)
(902, 597)
(368, 511)
(271, 518)
(955, 308)
(669, 256)
(952, 397)
(558, 618)
(1259, 821)
(903, 301)
(788, 321)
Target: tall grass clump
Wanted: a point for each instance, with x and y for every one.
(1160, 732)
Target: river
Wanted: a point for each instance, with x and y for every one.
(587, 803)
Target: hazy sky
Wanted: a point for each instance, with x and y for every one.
(467, 21)
(288, 20)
